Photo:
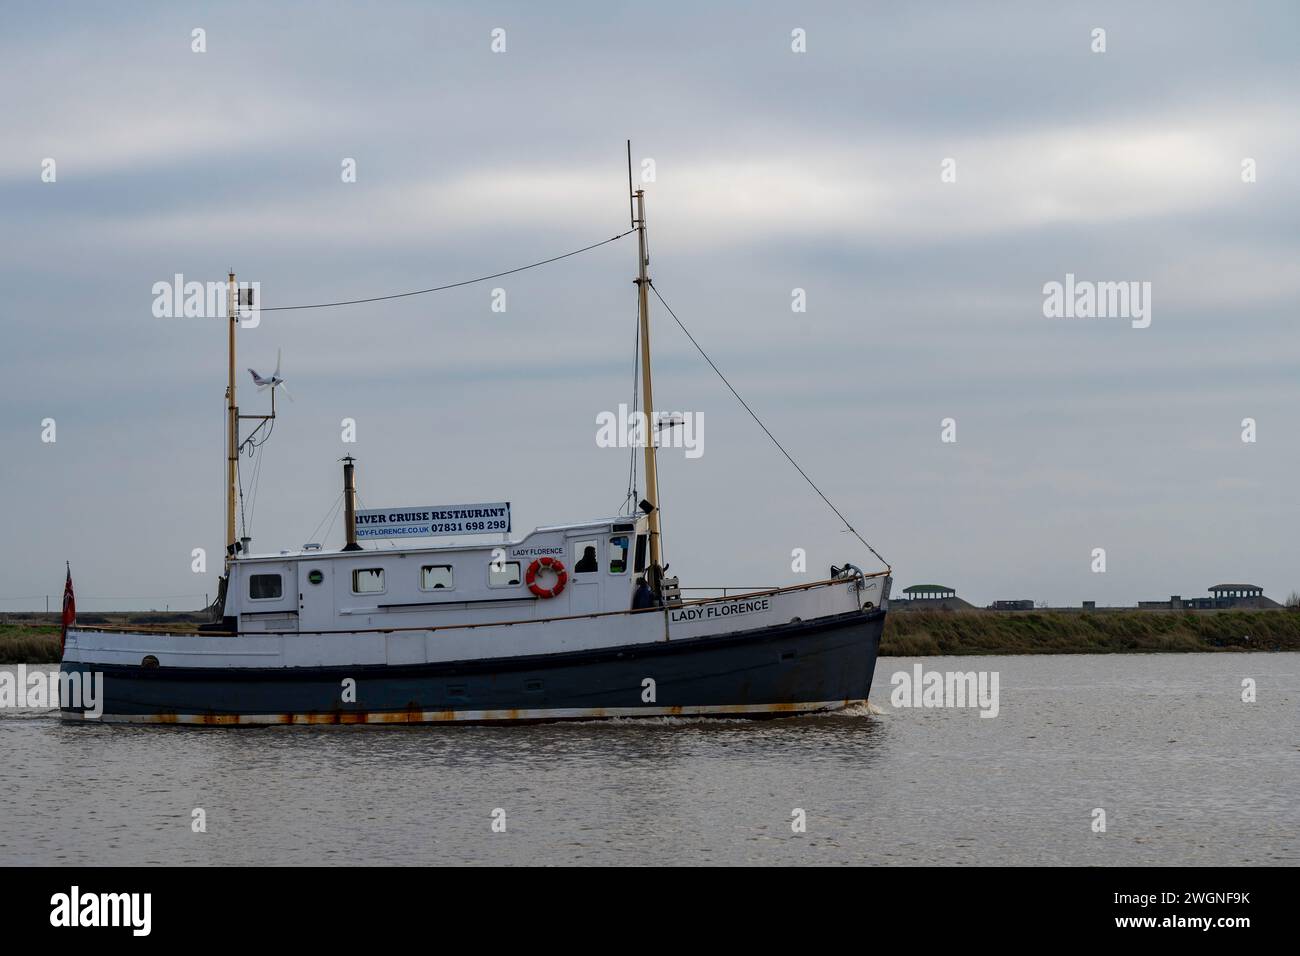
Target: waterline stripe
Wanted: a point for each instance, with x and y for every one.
(459, 716)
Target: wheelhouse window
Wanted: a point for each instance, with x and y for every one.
(368, 581)
(640, 553)
(585, 560)
(618, 554)
(265, 587)
(504, 574)
(436, 577)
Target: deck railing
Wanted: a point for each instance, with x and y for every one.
(160, 631)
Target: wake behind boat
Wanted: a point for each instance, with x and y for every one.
(574, 621)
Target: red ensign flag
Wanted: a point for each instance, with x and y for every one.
(69, 608)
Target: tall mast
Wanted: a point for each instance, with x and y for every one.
(232, 420)
(647, 391)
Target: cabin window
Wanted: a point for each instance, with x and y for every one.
(640, 553)
(618, 554)
(585, 559)
(265, 587)
(436, 577)
(368, 581)
(504, 574)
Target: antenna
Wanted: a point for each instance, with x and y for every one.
(630, 209)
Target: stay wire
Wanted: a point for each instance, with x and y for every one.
(328, 515)
(766, 431)
(450, 285)
(338, 508)
(630, 501)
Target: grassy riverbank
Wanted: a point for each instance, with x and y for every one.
(27, 643)
(925, 633)
(34, 639)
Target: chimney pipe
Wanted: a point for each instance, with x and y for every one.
(350, 504)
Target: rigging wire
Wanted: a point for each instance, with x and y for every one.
(252, 447)
(334, 515)
(328, 514)
(766, 431)
(239, 479)
(255, 483)
(630, 502)
(452, 285)
(663, 549)
(251, 442)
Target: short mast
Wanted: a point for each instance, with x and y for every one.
(647, 392)
(350, 504)
(232, 419)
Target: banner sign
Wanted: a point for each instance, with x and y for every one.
(432, 521)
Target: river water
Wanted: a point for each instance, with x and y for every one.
(1184, 770)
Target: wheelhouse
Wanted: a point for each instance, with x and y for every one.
(483, 582)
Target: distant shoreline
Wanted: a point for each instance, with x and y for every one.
(916, 633)
(34, 638)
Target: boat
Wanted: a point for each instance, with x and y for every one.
(566, 622)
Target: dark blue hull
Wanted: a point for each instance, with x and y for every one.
(795, 668)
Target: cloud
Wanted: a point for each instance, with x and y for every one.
(774, 171)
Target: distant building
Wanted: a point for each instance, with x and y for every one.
(1012, 605)
(1221, 596)
(929, 592)
(1241, 595)
(932, 596)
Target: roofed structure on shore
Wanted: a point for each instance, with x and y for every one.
(932, 592)
(1236, 590)
(1241, 595)
(1221, 596)
(932, 596)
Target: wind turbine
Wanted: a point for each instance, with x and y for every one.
(272, 382)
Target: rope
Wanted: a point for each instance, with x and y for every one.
(766, 431)
(452, 285)
(328, 515)
(338, 509)
(630, 502)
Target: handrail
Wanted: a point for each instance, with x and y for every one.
(119, 629)
(739, 587)
(793, 587)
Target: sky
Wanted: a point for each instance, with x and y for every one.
(921, 171)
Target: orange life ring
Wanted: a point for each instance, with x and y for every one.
(561, 577)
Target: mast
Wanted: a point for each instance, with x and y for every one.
(232, 421)
(655, 571)
(350, 504)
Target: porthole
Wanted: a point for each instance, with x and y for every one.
(149, 661)
(316, 576)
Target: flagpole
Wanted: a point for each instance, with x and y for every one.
(69, 615)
